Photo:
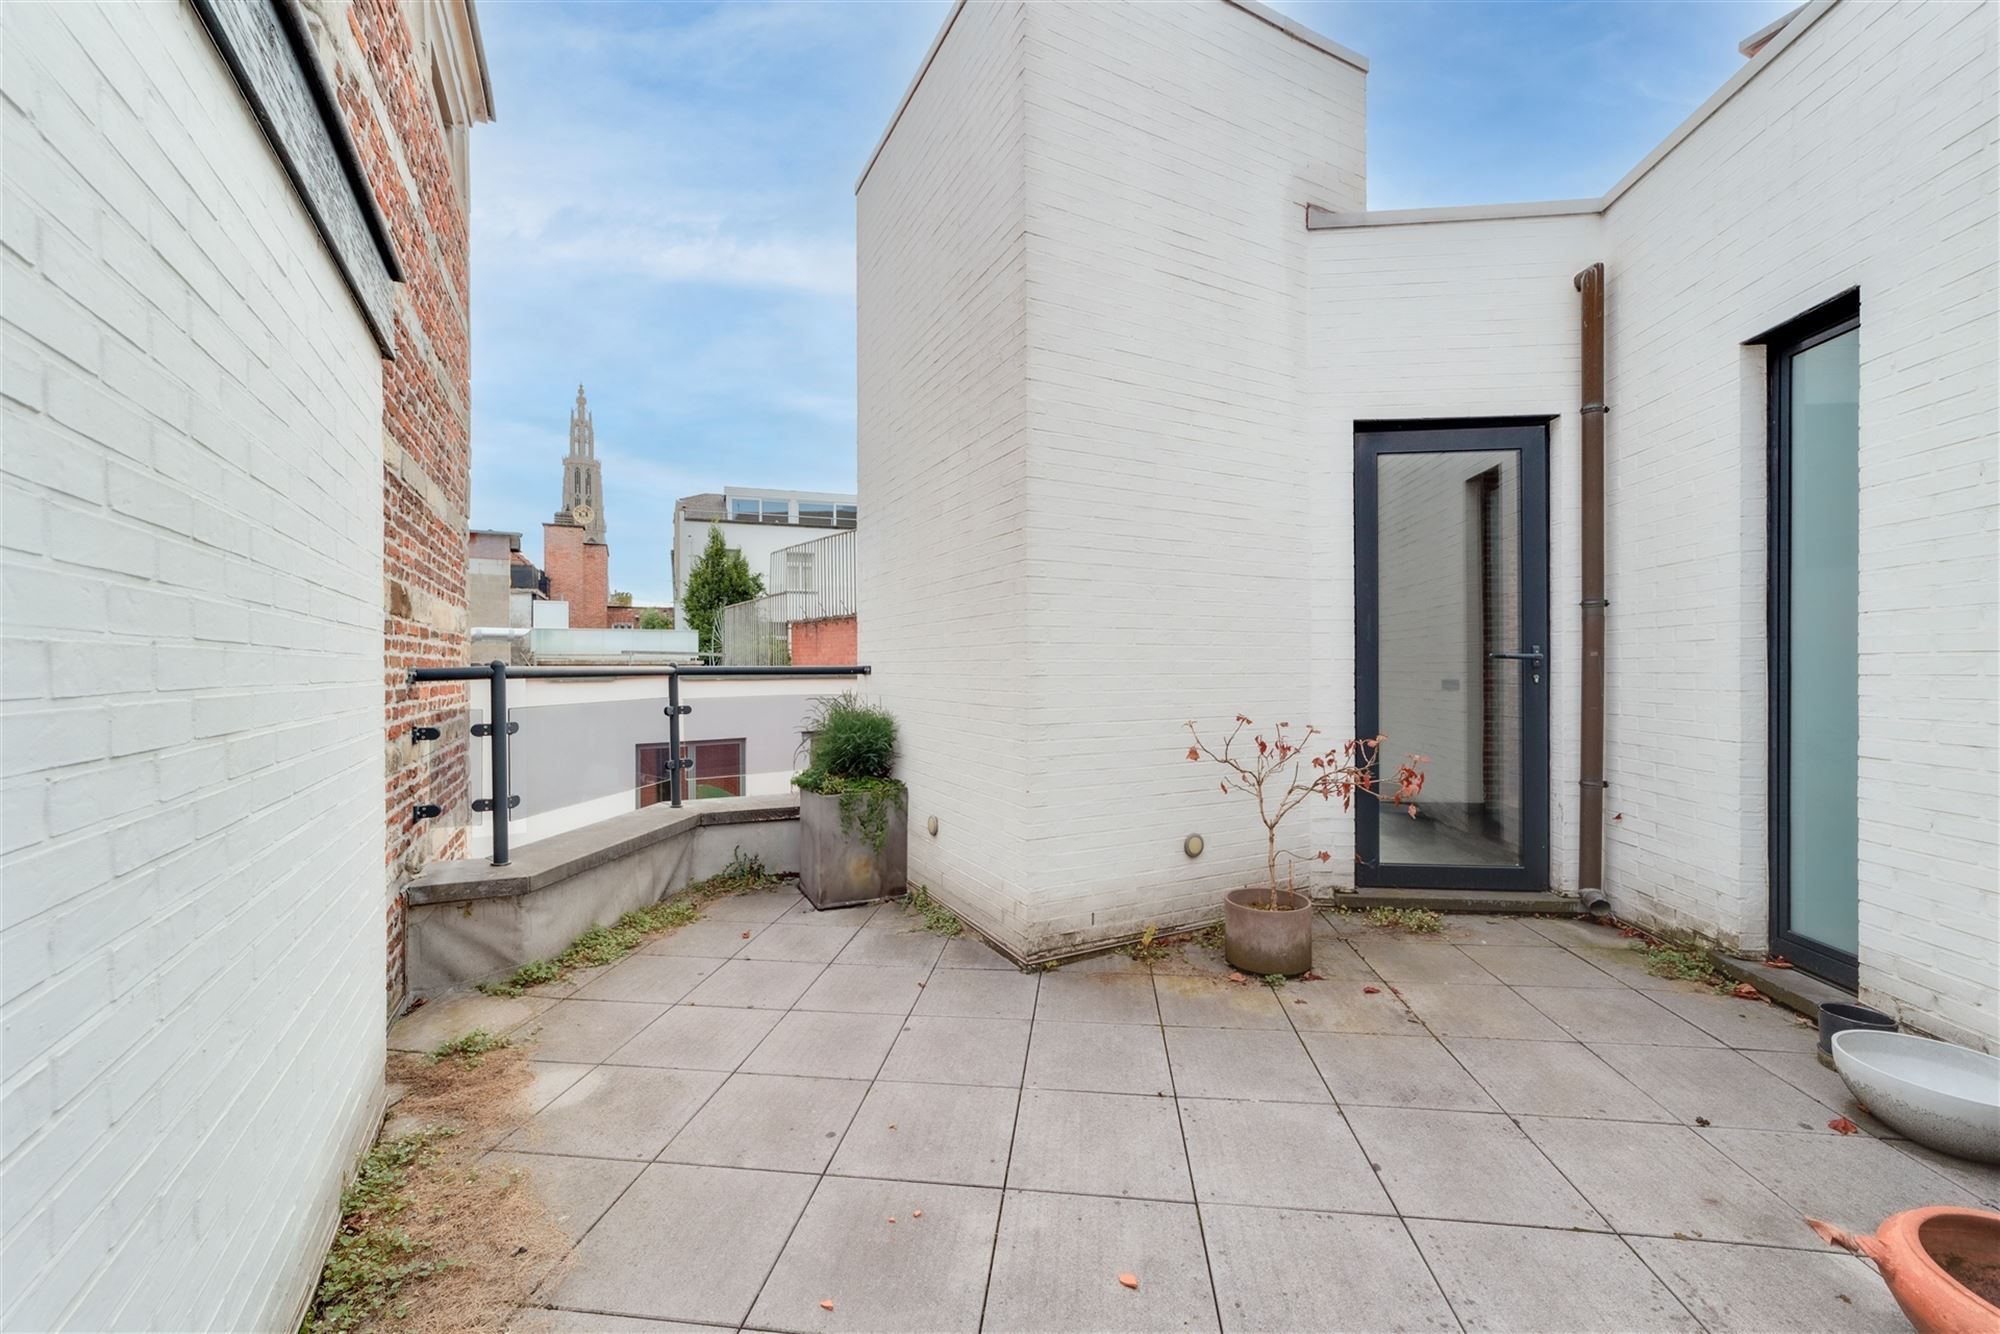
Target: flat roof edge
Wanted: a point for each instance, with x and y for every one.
(1297, 30)
(909, 93)
(1326, 220)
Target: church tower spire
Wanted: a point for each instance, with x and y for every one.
(583, 480)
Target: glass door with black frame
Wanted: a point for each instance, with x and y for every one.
(1451, 599)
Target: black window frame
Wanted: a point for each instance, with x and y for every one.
(1824, 322)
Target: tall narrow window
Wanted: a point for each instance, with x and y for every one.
(1815, 406)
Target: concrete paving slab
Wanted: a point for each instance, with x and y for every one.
(1803, 1071)
(867, 988)
(1200, 1002)
(586, 1031)
(1850, 1180)
(547, 1320)
(1097, 998)
(953, 1133)
(686, 1243)
(617, 1112)
(1603, 1014)
(1981, 1179)
(704, 940)
(1291, 1155)
(551, 1078)
(780, 1123)
(453, 1016)
(1553, 1079)
(1573, 931)
(1099, 1144)
(1454, 1011)
(1720, 1087)
(656, 979)
(828, 1045)
(1057, 1261)
(756, 984)
(1098, 1058)
(1279, 1270)
(798, 942)
(1628, 964)
(1115, 962)
(1527, 965)
(962, 993)
(1467, 929)
(1346, 1005)
(1532, 1279)
(972, 952)
(856, 915)
(1471, 1166)
(914, 1276)
(1242, 1063)
(1757, 1025)
(1377, 1071)
(1665, 1181)
(908, 949)
(1414, 959)
(698, 1037)
(1761, 1290)
(575, 1191)
(761, 907)
(953, 1050)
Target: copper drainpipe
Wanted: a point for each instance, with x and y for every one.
(1590, 732)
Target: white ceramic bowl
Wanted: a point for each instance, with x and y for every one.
(1939, 1095)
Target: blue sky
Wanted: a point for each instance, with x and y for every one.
(664, 210)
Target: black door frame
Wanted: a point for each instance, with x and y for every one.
(1818, 325)
(1529, 437)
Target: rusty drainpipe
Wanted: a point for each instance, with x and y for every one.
(1590, 732)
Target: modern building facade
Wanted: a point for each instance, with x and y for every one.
(1124, 250)
(235, 263)
(753, 521)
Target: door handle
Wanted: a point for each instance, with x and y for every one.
(1533, 657)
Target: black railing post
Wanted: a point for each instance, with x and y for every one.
(674, 736)
(496, 750)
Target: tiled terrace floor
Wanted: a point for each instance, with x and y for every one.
(1511, 1126)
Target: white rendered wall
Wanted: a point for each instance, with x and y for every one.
(943, 459)
(757, 541)
(191, 1024)
(1863, 156)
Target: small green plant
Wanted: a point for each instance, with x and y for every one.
(1211, 937)
(1147, 947)
(1274, 980)
(608, 944)
(373, 1258)
(936, 916)
(1417, 921)
(1690, 965)
(853, 753)
(470, 1047)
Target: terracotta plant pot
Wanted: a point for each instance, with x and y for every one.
(1942, 1265)
(1262, 940)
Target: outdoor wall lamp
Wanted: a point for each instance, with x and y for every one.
(931, 825)
(1193, 846)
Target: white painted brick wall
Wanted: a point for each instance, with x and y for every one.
(1122, 330)
(191, 947)
(943, 451)
(1864, 156)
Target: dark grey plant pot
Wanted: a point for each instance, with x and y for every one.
(839, 867)
(1839, 1016)
(1264, 941)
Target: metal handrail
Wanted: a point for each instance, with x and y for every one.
(499, 800)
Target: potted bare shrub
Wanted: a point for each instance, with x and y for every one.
(1267, 929)
(853, 822)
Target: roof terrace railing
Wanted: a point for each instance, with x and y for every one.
(499, 799)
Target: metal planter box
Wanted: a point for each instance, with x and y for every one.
(838, 867)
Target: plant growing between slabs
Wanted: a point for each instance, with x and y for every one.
(1281, 772)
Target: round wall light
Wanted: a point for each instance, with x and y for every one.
(1193, 846)
(931, 824)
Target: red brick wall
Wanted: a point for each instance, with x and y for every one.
(828, 643)
(579, 573)
(629, 616)
(426, 445)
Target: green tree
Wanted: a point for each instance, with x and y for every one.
(654, 619)
(719, 578)
(621, 599)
